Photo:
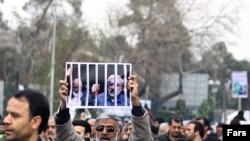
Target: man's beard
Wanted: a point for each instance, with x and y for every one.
(112, 93)
(75, 94)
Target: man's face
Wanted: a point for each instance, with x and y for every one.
(156, 123)
(51, 128)
(107, 130)
(189, 131)
(114, 87)
(129, 129)
(219, 131)
(19, 126)
(81, 131)
(175, 129)
(76, 86)
(92, 124)
(202, 122)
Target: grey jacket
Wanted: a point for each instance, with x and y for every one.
(141, 130)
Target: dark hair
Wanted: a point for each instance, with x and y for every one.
(159, 120)
(83, 123)
(220, 125)
(175, 118)
(154, 129)
(198, 127)
(46, 127)
(38, 105)
(205, 120)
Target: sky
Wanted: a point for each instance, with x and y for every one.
(95, 15)
(241, 48)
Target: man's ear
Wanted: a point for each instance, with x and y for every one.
(197, 133)
(35, 122)
(119, 135)
(87, 135)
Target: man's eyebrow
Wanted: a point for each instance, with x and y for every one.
(12, 113)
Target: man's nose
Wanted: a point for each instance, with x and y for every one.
(104, 131)
(6, 120)
(50, 128)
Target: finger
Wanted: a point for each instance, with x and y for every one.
(63, 90)
(129, 84)
(63, 82)
(133, 77)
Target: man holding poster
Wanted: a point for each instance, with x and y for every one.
(108, 125)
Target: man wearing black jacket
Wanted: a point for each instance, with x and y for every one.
(175, 127)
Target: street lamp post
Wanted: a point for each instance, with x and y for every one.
(227, 86)
(214, 89)
(53, 61)
(224, 109)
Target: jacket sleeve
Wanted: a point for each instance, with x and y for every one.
(141, 128)
(64, 128)
(66, 132)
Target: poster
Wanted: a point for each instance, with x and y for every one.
(98, 85)
(239, 84)
(126, 112)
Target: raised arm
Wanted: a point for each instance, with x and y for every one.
(64, 127)
(141, 130)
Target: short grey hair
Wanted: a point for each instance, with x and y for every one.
(112, 116)
(162, 126)
(117, 78)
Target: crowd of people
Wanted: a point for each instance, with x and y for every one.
(28, 119)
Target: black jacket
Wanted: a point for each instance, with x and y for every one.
(165, 137)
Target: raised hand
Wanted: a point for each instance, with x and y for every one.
(133, 88)
(63, 92)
